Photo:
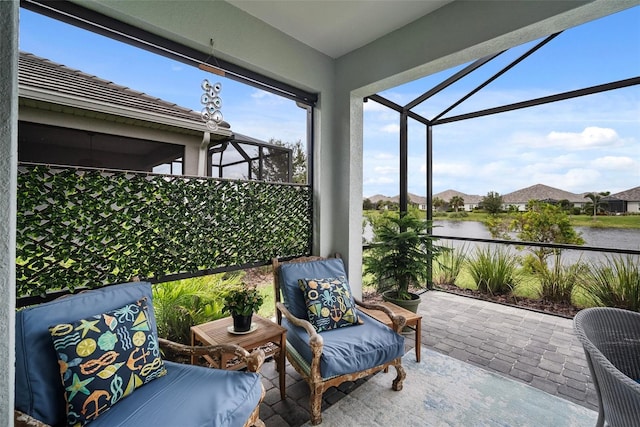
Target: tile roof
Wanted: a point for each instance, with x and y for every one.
(630, 195)
(447, 195)
(541, 192)
(44, 80)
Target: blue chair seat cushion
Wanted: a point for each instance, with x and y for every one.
(352, 349)
(188, 396)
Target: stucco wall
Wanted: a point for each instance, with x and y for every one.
(8, 165)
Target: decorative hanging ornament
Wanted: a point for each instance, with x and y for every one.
(211, 114)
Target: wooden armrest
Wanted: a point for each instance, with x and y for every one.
(398, 320)
(21, 419)
(314, 336)
(253, 360)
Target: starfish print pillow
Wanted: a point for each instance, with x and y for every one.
(105, 358)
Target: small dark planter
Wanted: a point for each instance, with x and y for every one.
(411, 305)
(241, 323)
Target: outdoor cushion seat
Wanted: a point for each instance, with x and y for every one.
(351, 349)
(186, 395)
(203, 396)
(316, 289)
(611, 341)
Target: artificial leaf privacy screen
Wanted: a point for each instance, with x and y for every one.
(86, 228)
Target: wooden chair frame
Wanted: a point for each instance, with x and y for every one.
(317, 384)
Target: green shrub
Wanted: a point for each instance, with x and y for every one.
(459, 214)
(449, 265)
(614, 282)
(180, 304)
(557, 281)
(495, 271)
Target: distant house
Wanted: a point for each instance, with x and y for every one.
(68, 117)
(624, 201)
(541, 192)
(470, 201)
(419, 201)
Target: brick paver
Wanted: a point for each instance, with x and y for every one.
(534, 348)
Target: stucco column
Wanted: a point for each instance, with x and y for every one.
(8, 166)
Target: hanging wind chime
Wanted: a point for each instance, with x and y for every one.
(211, 114)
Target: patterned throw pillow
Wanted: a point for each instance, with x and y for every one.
(329, 302)
(104, 358)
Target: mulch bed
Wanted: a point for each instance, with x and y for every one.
(540, 305)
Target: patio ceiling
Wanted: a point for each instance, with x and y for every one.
(338, 27)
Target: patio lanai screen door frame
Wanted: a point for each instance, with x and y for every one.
(406, 112)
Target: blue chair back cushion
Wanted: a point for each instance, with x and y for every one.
(39, 391)
(291, 273)
(352, 349)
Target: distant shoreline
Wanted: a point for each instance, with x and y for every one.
(603, 221)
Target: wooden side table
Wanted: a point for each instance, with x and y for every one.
(216, 332)
(414, 320)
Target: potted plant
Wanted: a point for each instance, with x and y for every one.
(400, 257)
(241, 303)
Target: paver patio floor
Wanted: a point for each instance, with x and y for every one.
(538, 349)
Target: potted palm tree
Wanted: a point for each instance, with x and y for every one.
(241, 303)
(400, 257)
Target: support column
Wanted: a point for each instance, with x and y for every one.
(404, 163)
(9, 11)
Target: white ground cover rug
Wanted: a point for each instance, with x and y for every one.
(442, 391)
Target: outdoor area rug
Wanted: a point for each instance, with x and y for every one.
(442, 391)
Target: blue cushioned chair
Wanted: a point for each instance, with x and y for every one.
(332, 357)
(186, 396)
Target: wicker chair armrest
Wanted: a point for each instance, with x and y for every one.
(253, 360)
(398, 321)
(314, 336)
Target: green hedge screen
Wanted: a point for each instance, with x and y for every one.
(87, 228)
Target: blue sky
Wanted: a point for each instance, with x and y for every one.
(586, 144)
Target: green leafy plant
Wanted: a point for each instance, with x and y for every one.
(181, 304)
(614, 282)
(449, 265)
(400, 253)
(558, 280)
(243, 300)
(545, 223)
(495, 271)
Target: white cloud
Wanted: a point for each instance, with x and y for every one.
(385, 156)
(386, 170)
(616, 163)
(590, 137)
(448, 168)
(391, 128)
(266, 99)
(372, 106)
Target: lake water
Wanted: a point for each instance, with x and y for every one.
(614, 238)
